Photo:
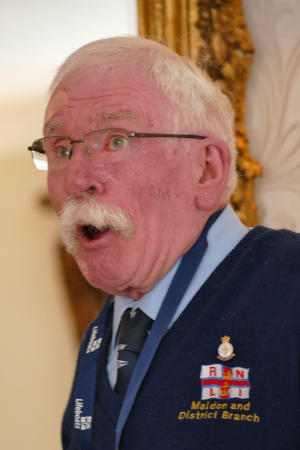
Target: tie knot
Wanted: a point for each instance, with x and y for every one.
(134, 328)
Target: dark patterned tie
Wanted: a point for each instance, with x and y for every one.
(133, 330)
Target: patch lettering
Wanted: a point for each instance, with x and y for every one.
(81, 422)
(94, 343)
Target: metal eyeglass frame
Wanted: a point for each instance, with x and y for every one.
(128, 133)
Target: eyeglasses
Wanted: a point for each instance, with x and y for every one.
(54, 152)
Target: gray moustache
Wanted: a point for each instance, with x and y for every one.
(90, 213)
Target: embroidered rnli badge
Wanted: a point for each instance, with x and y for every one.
(225, 350)
(219, 381)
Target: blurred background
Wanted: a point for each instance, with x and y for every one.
(38, 340)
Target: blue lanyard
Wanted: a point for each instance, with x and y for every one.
(83, 395)
(83, 392)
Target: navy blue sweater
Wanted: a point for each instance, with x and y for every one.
(190, 399)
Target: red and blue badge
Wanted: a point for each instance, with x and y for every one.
(221, 382)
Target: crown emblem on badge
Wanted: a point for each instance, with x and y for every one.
(225, 350)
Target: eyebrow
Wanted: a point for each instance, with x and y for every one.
(51, 126)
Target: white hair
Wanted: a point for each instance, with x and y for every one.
(199, 103)
(90, 212)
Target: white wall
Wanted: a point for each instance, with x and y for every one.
(37, 341)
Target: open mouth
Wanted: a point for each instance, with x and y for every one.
(91, 232)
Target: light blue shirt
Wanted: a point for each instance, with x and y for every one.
(222, 237)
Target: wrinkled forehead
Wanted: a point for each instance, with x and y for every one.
(124, 89)
(84, 84)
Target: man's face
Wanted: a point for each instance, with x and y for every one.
(154, 184)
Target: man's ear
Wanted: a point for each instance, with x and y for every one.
(215, 163)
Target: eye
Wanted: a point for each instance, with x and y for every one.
(64, 152)
(118, 143)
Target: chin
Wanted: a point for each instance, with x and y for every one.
(109, 282)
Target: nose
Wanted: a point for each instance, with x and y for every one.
(80, 175)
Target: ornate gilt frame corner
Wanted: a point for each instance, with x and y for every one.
(212, 33)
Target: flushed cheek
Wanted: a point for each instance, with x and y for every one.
(159, 193)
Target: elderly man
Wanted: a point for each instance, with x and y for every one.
(199, 348)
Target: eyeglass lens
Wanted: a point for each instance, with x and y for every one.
(59, 149)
